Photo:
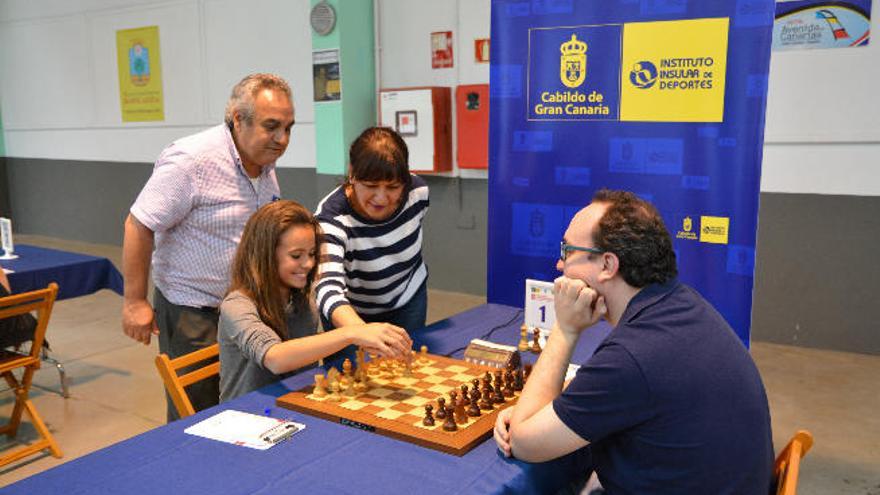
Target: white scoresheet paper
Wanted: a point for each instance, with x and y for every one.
(245, 429)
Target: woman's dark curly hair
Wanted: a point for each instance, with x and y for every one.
(632, 229)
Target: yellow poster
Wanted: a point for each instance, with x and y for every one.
(674, 71)
(140, 74)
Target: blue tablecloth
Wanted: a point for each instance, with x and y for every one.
(325, 457)
(76, 274)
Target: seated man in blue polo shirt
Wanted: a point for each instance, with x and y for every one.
(671, 401)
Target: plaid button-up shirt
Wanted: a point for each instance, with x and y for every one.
(197, 202)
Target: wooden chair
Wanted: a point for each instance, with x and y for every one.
(175, 383)
(40, 301)
(788, 462)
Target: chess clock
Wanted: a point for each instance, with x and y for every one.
(487, 353)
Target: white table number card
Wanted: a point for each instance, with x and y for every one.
(6, 240)
(539, 310)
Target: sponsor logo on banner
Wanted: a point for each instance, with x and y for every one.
(643, 74)
(687, 230)
(675, 71)
(821, 25)
(714, 229)
(664, 71)
(573, 62)
(585, 84)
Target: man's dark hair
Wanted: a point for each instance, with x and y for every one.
(632, 229)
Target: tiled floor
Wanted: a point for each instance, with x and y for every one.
(116, 392)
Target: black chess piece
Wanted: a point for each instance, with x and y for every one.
(429, 417)
(474, 410)
(498, 395)
(508, 384)
(464, 391)
(518, 380)
(441, 408)
(486, 402)
(449, 424)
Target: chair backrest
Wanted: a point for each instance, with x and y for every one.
(41, 301)
(788, 462)
(175, 383)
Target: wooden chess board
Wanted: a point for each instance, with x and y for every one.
(394, 405)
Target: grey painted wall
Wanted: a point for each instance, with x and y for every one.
(4, 190)
(816, 274)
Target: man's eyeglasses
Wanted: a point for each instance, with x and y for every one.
(565, 248)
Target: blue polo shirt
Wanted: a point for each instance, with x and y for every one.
(671, 402)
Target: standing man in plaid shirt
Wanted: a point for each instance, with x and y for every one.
(189, 218)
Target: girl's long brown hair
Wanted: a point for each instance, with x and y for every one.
(255, 268)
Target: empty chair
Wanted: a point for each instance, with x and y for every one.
(40, 301)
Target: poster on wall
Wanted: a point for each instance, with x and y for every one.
(811, 24)
(662, 98)
(140, 74)
(325, 70)
(441, 50)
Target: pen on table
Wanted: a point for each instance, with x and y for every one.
(278, 433)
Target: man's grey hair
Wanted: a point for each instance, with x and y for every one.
(242, 98)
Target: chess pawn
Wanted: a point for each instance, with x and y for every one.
(461, 416)
(359, 361)
(487, 385)
(332, 375)
(334, 391)
(498, 395)
(449, 424)
(453, 397)
(486, 402)
(518, 380)
(350, 388)
(423, 359)
(429, 417)
(464, 391)
(441, 408)
(476, 382)
(523, 345)
(346, 371)
(536, 345)
(474, 410)
(373, 366)
(508, 384)
(320, 389)
(475, 394)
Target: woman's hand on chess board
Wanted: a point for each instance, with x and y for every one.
(383, 339)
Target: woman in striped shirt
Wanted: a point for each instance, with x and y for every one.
(372, 268)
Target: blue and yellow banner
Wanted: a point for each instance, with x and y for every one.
(140, 74)
(664, 98)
